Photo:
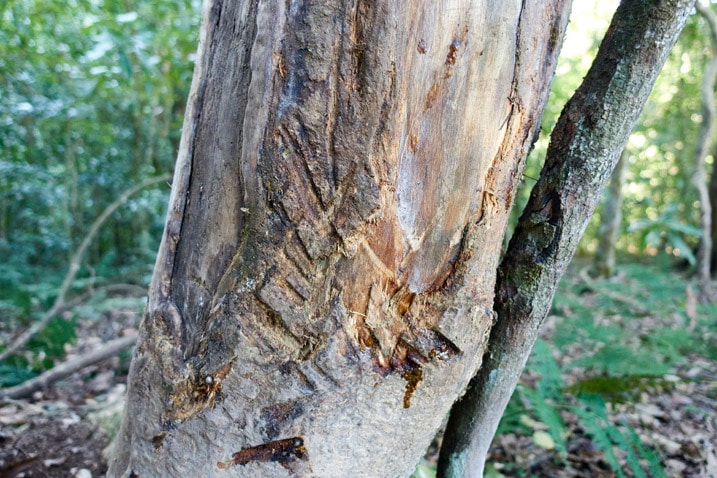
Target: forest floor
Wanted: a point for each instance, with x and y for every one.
(656, 397)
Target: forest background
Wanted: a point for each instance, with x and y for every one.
(92, 95)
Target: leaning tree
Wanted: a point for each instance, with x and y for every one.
(331, 275)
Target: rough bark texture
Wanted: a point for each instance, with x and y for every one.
(588, 137)
(611, 219)
(699, 178)
(324, 287)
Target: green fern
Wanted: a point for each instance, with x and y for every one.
(606, 436)
(547, 414)
(547, 392)
(656, 468)
(544, 363)
(618, 359)
(595, 427)
(624, 444)
(11, 375)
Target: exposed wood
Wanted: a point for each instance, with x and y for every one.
(584, 148)
(329, 257)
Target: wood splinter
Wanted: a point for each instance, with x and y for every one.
(281, 451)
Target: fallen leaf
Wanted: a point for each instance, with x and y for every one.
(534, 424)
(543, 440)
(53, 462)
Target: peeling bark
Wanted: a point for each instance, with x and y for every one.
(588, 137)
(324, 288)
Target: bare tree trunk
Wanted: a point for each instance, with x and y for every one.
(699, 178)
(324, 287)
(588, 137)
(611, 219)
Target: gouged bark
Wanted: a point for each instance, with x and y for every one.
(324, 287)
(588, 137)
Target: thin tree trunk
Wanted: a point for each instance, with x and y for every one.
(713, 221)
(324, 287)
(699, 178)
(611, 219)
(588, 137)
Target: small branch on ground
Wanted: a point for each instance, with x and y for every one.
(108, 350)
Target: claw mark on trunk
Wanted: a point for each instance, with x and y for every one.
(280, 451)
(194, 394)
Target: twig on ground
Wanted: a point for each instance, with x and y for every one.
(66, 369)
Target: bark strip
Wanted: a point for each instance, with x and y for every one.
(585, 144)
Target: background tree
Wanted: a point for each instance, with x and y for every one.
(700, 177)
(611, 219)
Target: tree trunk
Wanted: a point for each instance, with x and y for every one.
(324, 287)
(611, 219)
(699, 178)
(713, 219)
(584, 147)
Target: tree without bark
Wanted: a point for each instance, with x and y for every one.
(324, 287)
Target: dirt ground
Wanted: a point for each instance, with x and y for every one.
(63, 430)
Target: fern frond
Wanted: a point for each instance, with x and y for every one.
(548, 415)
(594, 420)
(656, 467)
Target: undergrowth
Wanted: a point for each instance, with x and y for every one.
(623, 338)
(609, 343)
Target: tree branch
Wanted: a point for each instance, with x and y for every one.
(585, 144)
(75, 262)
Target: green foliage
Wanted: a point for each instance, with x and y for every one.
(619, 389)
(43, 350)
(594, 418)
(547, 394)
(547, 398)
(616, 358)
(667, 230)
(52, 339)
(92, 95)
(623, 359)
(11, 375)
